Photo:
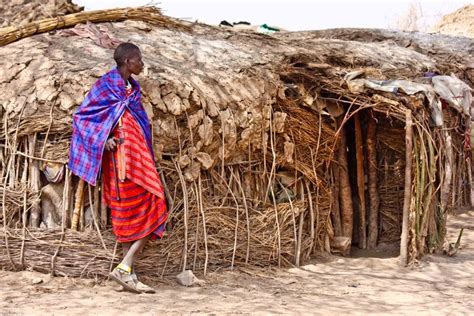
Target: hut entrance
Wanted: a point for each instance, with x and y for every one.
(376, 164)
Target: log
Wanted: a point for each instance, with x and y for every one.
(407, 193)
(360, 182)
(340, 244)
(374, 200)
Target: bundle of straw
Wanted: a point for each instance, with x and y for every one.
(147, 14)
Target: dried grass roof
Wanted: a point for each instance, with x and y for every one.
(458, 23)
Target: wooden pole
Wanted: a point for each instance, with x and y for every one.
(374, 199)
(469, 163)
(407, 193)
(35, 183)
(78, 204)
(336, 210)
(347, 211)
(360, 182)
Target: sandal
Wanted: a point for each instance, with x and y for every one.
(143, 288)
(124, 278)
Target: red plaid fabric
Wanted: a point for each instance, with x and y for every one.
(141, 210)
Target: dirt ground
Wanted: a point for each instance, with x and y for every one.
(358, 285)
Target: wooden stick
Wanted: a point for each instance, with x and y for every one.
(347, 211)
(78, 204)
(360, 182)
(4, 210)
(67, 182)
(196, 239)
(66, 192)
(335, 209)
(40, 159)
(103, 208)
(295, 233)
(300, 229)
(186, 210)
(407, 193)
(374, 200)
(469, 163)
(35, 183)
(23, 230)
(244, 199)
(94, 212)
(201, 208)
(447, 178)
(312, 217)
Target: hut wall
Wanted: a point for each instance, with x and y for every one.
(246, 130)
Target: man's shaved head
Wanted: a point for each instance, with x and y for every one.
(125, 51)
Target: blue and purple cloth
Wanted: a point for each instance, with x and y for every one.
(96, 117)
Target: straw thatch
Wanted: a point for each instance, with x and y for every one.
(247, 128)
(457, 23)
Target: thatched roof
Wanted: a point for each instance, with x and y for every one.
(211, 68)
(458, 23)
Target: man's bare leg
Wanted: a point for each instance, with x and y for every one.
(134, 250)
(125, 248)
(127, 278)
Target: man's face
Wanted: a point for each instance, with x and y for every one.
(135, 63)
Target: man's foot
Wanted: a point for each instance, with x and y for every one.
(143, 288)
(122, 276)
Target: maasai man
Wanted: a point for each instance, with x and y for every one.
(111, 130)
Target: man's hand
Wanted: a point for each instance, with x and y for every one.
(111, 144)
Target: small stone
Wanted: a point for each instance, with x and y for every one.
(36, 281)
(187, 278)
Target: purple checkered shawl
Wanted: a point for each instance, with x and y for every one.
(95, 119)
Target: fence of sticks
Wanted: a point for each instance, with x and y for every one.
(269, 154)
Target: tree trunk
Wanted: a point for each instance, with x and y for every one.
(373, 192)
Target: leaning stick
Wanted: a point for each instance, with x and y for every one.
(77, 204)
(94, 212)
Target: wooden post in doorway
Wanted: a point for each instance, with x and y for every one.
(346, 207)
(374, 200)
(407, 193)
(360, 182)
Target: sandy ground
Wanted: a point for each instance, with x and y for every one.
(437, 285)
